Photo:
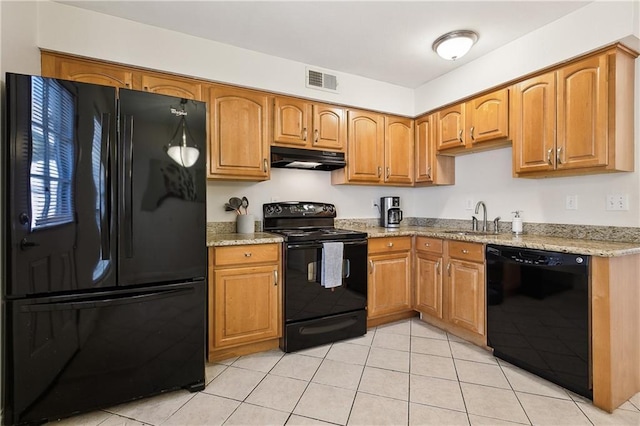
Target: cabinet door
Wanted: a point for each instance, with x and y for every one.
(582, 99)
(180, 88)
(533, 118)
(450, 127)
(398, 153)
(86, 71)
(238, 129)
(389, 288)
(329, 128)
(292, 126)
(488, 117)
(424, 149)
(365, 147)
(428, 299)
(245, 304)
(466, 295)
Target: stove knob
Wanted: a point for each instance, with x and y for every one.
(330, 208)
(278, 209)
(269, 210)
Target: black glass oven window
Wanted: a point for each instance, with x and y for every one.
(52, 153)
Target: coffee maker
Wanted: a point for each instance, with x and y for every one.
(390, 213)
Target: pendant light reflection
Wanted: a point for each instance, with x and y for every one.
(455, 44)
(178, 150)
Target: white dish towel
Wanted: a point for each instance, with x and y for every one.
(332, 264)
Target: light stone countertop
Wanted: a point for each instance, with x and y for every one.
(235, 239)
(539, 242)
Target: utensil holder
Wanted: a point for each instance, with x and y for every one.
(245, 224)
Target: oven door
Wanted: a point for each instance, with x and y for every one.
(304, 296)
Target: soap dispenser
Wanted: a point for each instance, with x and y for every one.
(516, 224)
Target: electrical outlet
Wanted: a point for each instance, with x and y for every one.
(374, 203)
(617, 202)
(572, 202)
(468, 204)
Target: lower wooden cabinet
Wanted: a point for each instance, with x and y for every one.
(450, 286)
(244, 299)
(389, 285)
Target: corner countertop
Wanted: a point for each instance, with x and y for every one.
(539, 242)
(536, 242)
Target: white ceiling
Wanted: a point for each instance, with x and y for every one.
(384, 40)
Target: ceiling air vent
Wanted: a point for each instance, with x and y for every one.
(321, 80)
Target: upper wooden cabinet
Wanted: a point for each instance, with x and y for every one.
(577, 119)
(238, 132)
(379, 150)
(398, 150)
(172, 86)
(430, 168)
(86, 71)
(365, 149)
(480, 123)
(303, 124)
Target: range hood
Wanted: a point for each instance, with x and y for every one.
(308, 159)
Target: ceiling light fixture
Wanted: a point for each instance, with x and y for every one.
(454, 44)
(177, 149)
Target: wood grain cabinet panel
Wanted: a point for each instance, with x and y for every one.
(245, 291)
(430, 168)
(303, 124)
(577, 119)
(172, 86)
(85, 71)
(389, 289)
(398, 150)
(238, 131)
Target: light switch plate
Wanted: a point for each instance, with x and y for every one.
(572, 202)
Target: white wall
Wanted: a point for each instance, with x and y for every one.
(487, 176)
(82, 32)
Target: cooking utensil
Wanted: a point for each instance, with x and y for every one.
(236, 203)
(228, 208)
(245, 205)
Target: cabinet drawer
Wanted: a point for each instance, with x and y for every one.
(429, 245)
(472, 252)
(385, 245)
(246, 254)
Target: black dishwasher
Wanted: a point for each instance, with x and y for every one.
(538, 313)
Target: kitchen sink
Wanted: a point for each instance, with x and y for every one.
(456, 232)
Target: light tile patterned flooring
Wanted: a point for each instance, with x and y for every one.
(405, 373)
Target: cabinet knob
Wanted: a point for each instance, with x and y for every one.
(247, 254)
(465, 251)
(390, 245)
(427, 245)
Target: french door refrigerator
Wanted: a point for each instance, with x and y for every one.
(104, 293)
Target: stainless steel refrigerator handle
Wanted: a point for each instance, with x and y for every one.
(127, 179)
(105, 207)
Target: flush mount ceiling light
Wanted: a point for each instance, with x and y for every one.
(454, 44)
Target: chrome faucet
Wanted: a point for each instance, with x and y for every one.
(484, 214)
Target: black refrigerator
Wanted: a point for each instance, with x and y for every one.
(104, 296)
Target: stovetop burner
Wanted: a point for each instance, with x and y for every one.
(305, 221)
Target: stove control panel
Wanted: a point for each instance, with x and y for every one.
(298, 209)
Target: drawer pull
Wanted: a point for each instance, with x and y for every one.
(438, 267)
(449, 268)
(465, 251)
(247, 254)
(427, 245)
(390, 245)
(275, 277)
(371, 266)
